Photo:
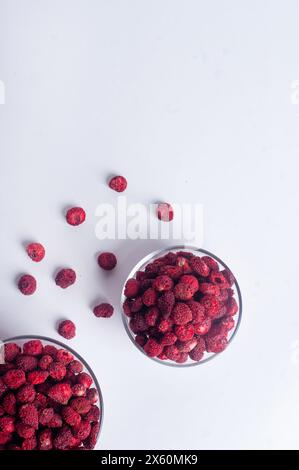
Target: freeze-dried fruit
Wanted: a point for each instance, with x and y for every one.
(11, 350)
(70, 416)
(198, 311)
(24, 430)
(118, 183)
(65, 278)
(75, 366)
(35, 251)
(50, 350)
(37, 377)
(168, 339)
(57, 371)
(26, 362)
(149, 297)
(211, 305)
(7, 424)
(153, 348)
(131, 288)
(208, 288)
(67, 329)
(45, 416)
(183, 292)
(84, 379)
(9, 404)
(151, 316)
(107, 261)
(163, 283)
(172, 271)
(138, 323)
(216, 343)
(75, 216)
(103, 310)
(64, 356)
(45, 440)
(184, 332)
(29, 444)
(183, 357)
(181, 313)
(93, 415)
(186, 346)
(172, 352)
(61, 393)
(27, 284)
(63, 439)
(199, 266)
(26, 394)
(202, 327)
(14, 378)
(28, 415)
(45, 361)
(165, 212)
(81, 405)
(33, 347)
(166, 303)
(231, 307)
(211, 263)
(82, 430)
(79, 390)
(92, 395)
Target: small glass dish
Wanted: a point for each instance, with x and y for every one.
(20, 340)
(141, 265)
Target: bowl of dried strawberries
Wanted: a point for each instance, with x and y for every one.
(50, 398)
(181, 306)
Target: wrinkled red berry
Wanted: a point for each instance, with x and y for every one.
(216, 344)
(81, 405)
(45, 440)
(64, 356)
(65, 278)
(165, 212)
(24, 430)
(67, 329)
(84, 379)
(203, 327)
(61, 393)
(37, 377)
(166, 303)
(26, 362)
(103, 310)
(70, 416)
(36, 252)
(181, 313)
(33, 347)
(27, 284)
(184, 332)
(149, 297)
(11, 350)
(28, 415)
(163, 283)
(153, 348)
(75, 216)
(57, 371)
(45, 361)
(107, 261)
(45, 416)
(75, 367)
(14, 378)
(118, 183)
(199, 266)
(211, 305)
(131, 288)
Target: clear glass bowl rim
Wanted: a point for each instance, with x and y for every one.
(146, 259)
(77, 356)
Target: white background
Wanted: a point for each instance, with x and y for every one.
(192, 101)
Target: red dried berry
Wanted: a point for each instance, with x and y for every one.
(211, 263)
(172, 271)
(219, 279)
(203, 327)
(82, 430)
(163, 283)
(149, 297)
(92, 395)
(141, 339)
(197, 353)
(79, 390)
(186, 346)
(14, 378)
(216, 344)
(65, 278)
(190, 281)
(166, 303)
(92, 438)
(75, 216)
(118, 184)
(84, 379)
(33, 347)
(107, 261)
(232, 307)
(44, 362)
(45, 440)
(184, 332)
(183, 292)
(61, 393)
(81, 405)
(183, 357)
(168, 339)
(199, 266)
(172, 352)
(27, 284)
(67, 329)
(70, 416)
(56, 421)
(26, 394)
(57, 371)
(211, 289)
(64, 356)
(183, 264)
(198, 311)
(229, 277)
(11, 350)
(28, 415)
(7, 424)
(9, 404)
(211, 305)
(24, 430)
(45, 416)
(26, 362)
(40, 401)
(93, 415)
(131, 288)
(29, 444)
(63, 439)
(181, 313)
(50, 350)
(103, 310)
(138, 323)
(5, 437)
(36, 252)
(37, 376)
(75, 366)
(151, 316)
(152, 348)
(165, 212)
(3, 387)
(164, 325)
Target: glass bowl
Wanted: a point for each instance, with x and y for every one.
(140, 266)
(20, 340)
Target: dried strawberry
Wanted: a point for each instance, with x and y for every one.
(172, 271)
(36, 252)
(64, 356)
(75, 366)
(84, 379)
(141, 339)
(81, 405)
(216, 343)
(93, 415)
(138, 323)
(28, 415)
(27, 284)
(232, 307)
(183, 357)
(67, 329)
(92, 395)
(61, 393)
(82, 430)
(24, 430)
(107, 261)
(7, 424)
(203, 327)
(29, 444)
(132, 288)
(166, 303)
(9, 404)
(172, 352)
(75, 216)
(63, 439)
(211, 305)
(168, 339)
(103, 310)
(211, 263)
(163, 283)
(45, 441)
(149, 297)
(92, 438)
(11, 350)
(65, 278)
(70, 416)
(151, 316)
(14, 378)
(199, 266)
(118, 184)
(57, 371)
(37, 376)
(153, 348)
(183, 292)
(186, 346)
(26, 362)
(181, 313)
(26, 394)
(184, 332)
(45, 361)
(45, 416)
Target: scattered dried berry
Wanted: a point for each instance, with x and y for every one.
(165, 212)
(65, 278)
(118, 183)
(103, 310)
(36, 252)
(107, 261)
(67, 329)
(27, 284)
(75, 216)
